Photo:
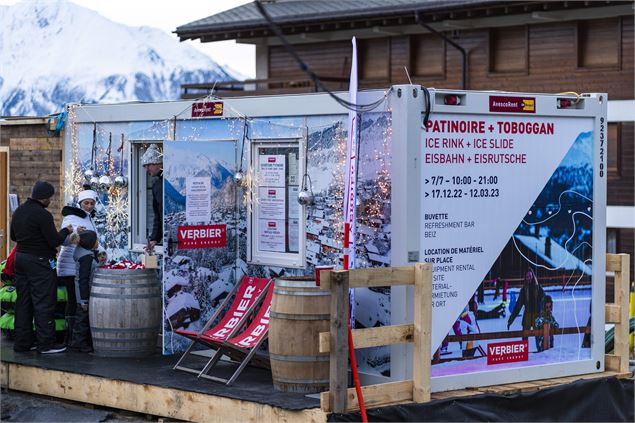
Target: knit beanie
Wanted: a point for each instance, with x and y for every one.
(87, 239)
(42, 190)
(152, 155)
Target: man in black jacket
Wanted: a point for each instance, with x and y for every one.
(33, 229)
(152, 160)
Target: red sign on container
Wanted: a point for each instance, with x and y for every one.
(202, 236)
(507, 352)
(512, 104)
(207, 108)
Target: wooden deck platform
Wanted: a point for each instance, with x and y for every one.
(188, 398)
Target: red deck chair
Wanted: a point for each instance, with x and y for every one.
(244, 299)
(245, 345)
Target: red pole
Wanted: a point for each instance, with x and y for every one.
(351, 347)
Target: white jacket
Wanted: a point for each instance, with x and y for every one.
(76, 217)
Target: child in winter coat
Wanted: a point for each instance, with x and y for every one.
(85, 263)
(546, 316)
(81, 218)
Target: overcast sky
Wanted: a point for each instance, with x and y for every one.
(168, 15)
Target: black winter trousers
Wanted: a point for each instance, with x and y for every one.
(81, 338)
(71, 300)
(36, 287)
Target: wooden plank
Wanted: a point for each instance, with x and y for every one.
(422, 329)
(612, 313)
(41, 143)
(324, 342)
(385, 276)
(148, 399)
(373, 337)
(339, 339)
(613, 362)
(375, 395)
(613, 262)
(4, 375)
(622, 295)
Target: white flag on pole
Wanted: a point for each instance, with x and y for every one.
(350, 191)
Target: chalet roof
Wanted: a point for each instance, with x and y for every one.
(246, 20)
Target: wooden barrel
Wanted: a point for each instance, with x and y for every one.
(125, 312)
(299, 312)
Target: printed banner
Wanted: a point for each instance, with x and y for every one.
(512, 104)
(208, 108)
(507, 352)
(506, 222)
(202, 236)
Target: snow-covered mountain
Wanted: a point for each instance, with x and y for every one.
(53, 52)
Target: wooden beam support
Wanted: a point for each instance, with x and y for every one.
(149, 399)
(373, 337)
(613, 262)
(384, 276)
(374, 395)
(422, 326)
(612, 313)
(622, 285)
(613, 362)
(339, 337)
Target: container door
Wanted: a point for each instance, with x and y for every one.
(200, 234)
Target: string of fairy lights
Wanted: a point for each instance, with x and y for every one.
(111, 144)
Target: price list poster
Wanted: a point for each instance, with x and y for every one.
(506, 221)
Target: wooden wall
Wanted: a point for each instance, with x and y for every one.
(565, 56)
(34, 155)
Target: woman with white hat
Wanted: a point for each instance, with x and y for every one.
(81, 220)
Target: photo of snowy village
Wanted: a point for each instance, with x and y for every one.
(542, 276)
(197, 280)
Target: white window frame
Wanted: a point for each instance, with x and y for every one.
(270, 258)
(137, 199)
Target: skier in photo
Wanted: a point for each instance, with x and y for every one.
(152, 161)
(529, 297)
(546, 316)
(469, 325)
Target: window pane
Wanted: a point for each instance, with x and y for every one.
(598, 43)
(611, 241)
(278, 212)
(427, 55)
(508, 49)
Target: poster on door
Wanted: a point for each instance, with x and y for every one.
(198, 206)
(271, 170)
(272, 203)
(271, 235)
